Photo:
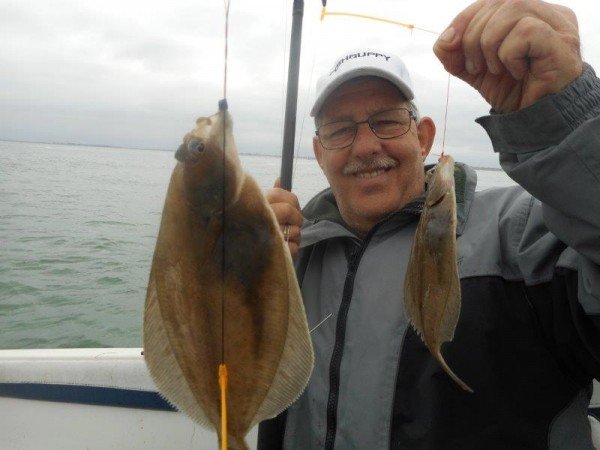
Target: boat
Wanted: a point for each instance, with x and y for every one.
(104, 398)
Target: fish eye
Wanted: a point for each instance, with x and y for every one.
(195, 145)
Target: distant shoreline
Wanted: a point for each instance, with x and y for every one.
(489, 169)
(75, 144)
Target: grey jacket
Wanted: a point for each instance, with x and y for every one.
(528, 340)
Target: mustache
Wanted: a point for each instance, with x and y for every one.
(368, 165)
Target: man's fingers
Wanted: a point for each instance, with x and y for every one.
(290, 232)
(277, 183)
(534, 13)
(516, 48)
(286, 214)
(513, 52)
(569, 15)
(278, 195)
(286, 207)
(448, 47)
(461, 22)
(291, 235)
(475, 60)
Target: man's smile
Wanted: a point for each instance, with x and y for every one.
(371, 173)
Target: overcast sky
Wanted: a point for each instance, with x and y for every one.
(137, 73)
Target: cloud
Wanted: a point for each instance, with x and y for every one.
(138, 73)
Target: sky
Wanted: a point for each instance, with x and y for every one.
(133, 73)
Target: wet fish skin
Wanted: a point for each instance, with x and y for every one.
(432, 285)
(267, 345)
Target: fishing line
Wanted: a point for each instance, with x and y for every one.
(223, 375)
(377, 19)
(446, 111)
(226, 2)
(320, 323)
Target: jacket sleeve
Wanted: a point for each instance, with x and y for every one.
(552, 149)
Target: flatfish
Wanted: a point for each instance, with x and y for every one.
(432, 285)
(196, 315)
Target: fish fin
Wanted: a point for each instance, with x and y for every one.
(162, 364)
(414, 285)
(440, 359)
(449, 318)
(297, 358)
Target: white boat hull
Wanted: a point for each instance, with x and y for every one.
(102, 399)
(93, 399)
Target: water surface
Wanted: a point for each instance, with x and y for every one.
(77, 231)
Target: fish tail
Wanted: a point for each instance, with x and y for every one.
(450, 373)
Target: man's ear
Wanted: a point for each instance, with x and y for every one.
(426, 133)
(318, 150)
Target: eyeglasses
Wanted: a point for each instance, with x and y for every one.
(387, 124)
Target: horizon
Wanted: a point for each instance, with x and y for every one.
(271, 155)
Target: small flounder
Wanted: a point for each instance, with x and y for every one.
(432, 285)
(211, 202)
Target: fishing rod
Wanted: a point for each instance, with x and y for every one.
(291, 101)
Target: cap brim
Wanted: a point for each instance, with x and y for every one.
(360, 72)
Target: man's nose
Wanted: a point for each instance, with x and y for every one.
(365, 142)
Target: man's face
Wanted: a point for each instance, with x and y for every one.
(365, 192)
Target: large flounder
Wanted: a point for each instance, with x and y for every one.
(267, 343)
(432, 285)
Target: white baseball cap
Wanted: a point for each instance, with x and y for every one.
(360, 63)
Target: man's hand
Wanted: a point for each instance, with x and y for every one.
(286, 207)
(514, 52)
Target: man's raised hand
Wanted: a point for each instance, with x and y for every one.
(514, 52)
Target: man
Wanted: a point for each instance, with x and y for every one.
(528, 339)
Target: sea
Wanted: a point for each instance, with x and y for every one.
(78, 225)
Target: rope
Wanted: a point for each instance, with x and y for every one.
(410, 26)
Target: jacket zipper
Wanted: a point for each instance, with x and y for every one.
(338, 349)
(340, 332)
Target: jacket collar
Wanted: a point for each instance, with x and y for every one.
(323, 219)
